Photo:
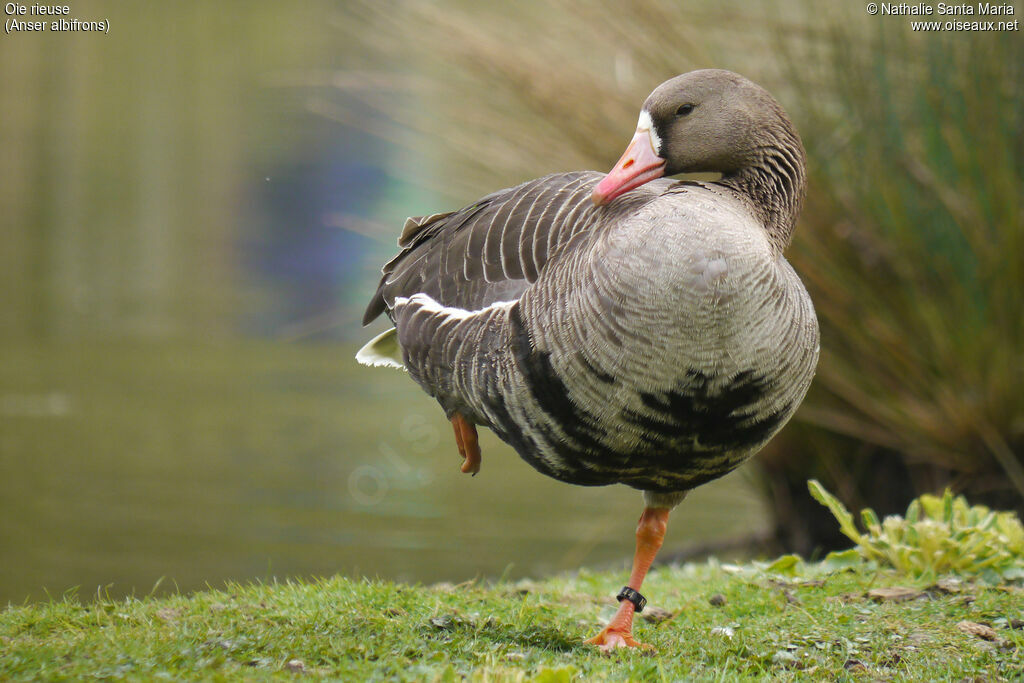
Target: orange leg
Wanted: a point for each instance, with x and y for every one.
(650, 533)
(466, 440)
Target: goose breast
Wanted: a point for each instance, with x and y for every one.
(682, 342)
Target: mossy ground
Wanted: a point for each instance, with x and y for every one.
(725, 624)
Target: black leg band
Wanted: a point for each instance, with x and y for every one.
(634, 597)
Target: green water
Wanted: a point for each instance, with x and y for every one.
(124, 463)
(192, 218)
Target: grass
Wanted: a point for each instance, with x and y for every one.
(725, 623)
(845, 618)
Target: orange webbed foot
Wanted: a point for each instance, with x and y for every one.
(609, 640)
(466, 440)
(619, 632)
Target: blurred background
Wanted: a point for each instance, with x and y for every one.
(195, 207)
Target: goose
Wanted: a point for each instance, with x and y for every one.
(620, 328)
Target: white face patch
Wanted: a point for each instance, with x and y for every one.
(645, 123)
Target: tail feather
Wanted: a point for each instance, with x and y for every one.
(382, 351)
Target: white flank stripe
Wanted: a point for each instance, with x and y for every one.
(429, 305)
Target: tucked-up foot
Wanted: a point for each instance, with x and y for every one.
(466, 440)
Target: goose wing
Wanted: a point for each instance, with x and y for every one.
(491, 250)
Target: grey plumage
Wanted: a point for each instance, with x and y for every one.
(488, 251)
(658, 341)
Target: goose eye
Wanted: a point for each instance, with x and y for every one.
(684, 110)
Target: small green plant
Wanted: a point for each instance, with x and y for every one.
(936, 536)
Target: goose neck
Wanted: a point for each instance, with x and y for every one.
(774, 182)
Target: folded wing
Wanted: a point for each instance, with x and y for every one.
(489, 251)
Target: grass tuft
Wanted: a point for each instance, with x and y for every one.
(936, 536)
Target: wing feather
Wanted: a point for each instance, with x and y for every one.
(491, 250)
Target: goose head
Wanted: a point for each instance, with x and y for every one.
(710, 120)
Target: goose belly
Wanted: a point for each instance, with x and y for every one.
(663, 383)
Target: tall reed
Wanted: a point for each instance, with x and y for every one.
(911, 242)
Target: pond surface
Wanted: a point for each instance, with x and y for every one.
(187, 245)
(123, 464)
